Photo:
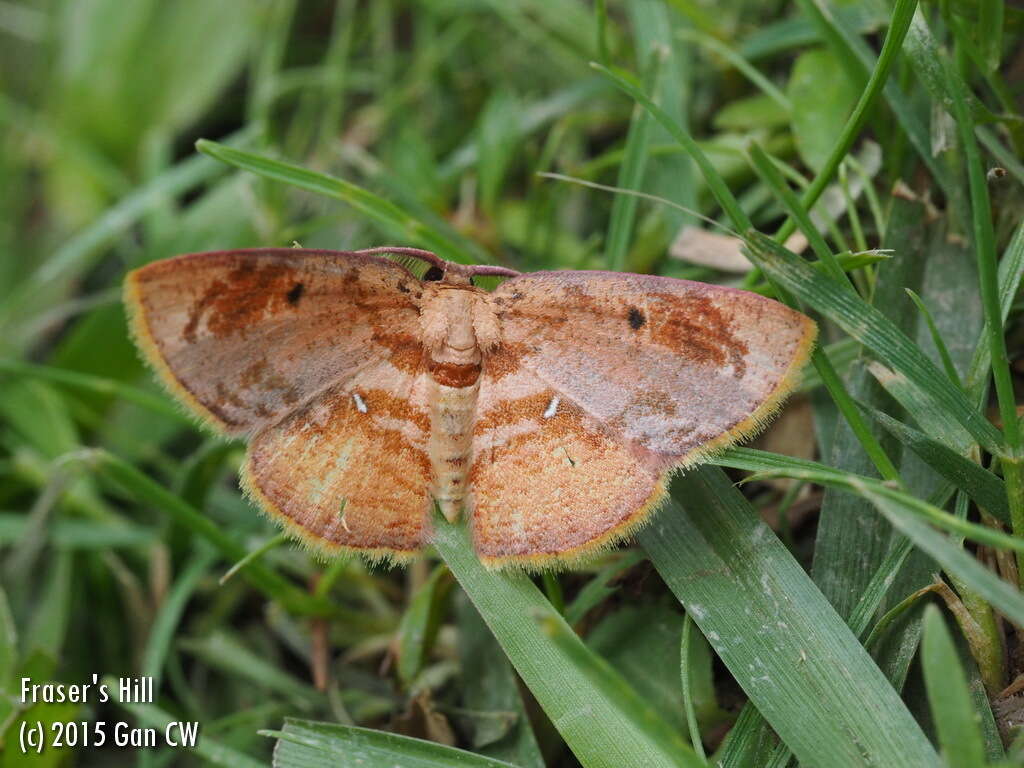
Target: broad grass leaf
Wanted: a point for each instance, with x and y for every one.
(490, 690)
(601, 717)
(822, 98)
(775, 631)
(307, 744)
(852, 539)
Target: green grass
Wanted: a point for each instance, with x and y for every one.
(552, 134)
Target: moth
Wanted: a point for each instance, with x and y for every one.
(550, 410)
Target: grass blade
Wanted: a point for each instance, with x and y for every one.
(937, 340)
(952, 709)
(982, 486)
(213, 752)
(1011, 269)
(776, 632)
(420, 623)
(936, 422)
(80, 253)
(388, 215)
(307, 744)
(150, 492)
(853, 542)
(601, 718)
(749, 742)
(490, 687)
(151, 401)
(874, 331)
(847, 44)
(776, 465)
(909, 515)
(165, 624)
(899, 23)
(985, 250)
(631, 172)
(771, 175)
(684, 675)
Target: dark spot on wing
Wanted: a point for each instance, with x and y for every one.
(295, 294)
(636, 319)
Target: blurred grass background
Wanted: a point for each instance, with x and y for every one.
(119, 520)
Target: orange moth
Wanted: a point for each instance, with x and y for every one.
(550, 410)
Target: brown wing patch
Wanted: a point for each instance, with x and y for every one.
(403, 349)
(696, 329)
(249, 292)
(457, 375)
(243, 337)
(349, 471)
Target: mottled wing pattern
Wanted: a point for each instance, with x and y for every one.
(244, 337)
(349, 470)
(654, 371)
(317, 355)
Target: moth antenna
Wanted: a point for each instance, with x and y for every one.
(416, 253)
(484, 270)
(488, 270)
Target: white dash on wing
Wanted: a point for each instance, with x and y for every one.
(344, 502)
(552, 408)
(360, 405)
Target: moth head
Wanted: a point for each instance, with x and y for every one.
(448, 275)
